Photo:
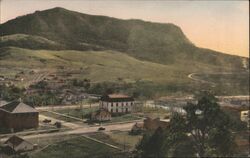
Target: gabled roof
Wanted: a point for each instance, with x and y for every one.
(14, 141)
(138, 125)
(117, 97)
(101, 112)
(3, 102)
(18, 107)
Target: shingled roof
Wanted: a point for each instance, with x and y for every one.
(3, 102)
(15, 141)
(116, 98)
(18, 107)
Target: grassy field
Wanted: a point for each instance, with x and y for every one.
(118, 138)
(79, 147)
(126, 117)
(153, 112)
(81, 113)
(228, 81)
(59, 117)
(112, 66)
(130, 141)
(77, 112)
(96, 65)
(43, 142)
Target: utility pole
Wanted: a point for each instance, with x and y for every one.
(124, 143)
(0, 11)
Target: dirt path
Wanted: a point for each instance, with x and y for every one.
(81, 130)
(192, 76)
(64, 123)
(58, 107)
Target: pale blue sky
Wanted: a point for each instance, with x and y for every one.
(218, 25)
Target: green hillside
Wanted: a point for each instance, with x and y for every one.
(116, 67)
(96, 65)
(29, 41)
(153, 58)
(156, 42)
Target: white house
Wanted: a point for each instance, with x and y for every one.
(244, 116)
(18, 144)
(117, 103)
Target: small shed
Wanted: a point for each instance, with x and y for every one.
(101, 115)
(137, 128)
(18, 144)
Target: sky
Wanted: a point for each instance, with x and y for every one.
(218, 25)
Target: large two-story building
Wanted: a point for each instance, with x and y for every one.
(16, 115)
(117, 103)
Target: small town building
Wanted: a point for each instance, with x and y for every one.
(2, 102)
(18, 144)
(137, 128)
(17, 116)
(244, 116)
(101, 115)
(152, 124)
(117, 103)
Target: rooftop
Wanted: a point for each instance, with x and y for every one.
(116, 97)
(18, 107)
(3, 102)
(14, 141)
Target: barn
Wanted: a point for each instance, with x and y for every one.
(17, 115)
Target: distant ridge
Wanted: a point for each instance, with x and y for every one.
(62, 29)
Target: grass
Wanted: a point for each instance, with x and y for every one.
(41, 127)
(42, 142)
(97, 65)
(81, 113)
(77, 112)
(108, 66)
(59, 117)
(123, 138)
(123, 118)
(153, 112)
(228, 81)
(75, 148)
(118, 138)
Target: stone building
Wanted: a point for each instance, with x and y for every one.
(17, 116)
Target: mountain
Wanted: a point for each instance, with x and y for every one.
(62, 29)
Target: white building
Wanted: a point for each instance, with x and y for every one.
(117, 103)
(18, 144)
(244, 116)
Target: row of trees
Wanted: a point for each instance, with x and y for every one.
(204, 131)
(10, 93)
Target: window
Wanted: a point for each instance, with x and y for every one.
(116, 104)
(116, 110)
(111, 110)
(126, 109)
(112, 104)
